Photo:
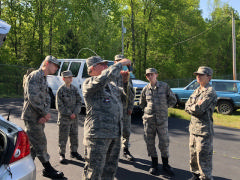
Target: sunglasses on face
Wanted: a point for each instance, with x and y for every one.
(150, 74)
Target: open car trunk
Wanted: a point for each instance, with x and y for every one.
(8, 137)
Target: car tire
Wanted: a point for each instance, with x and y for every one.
(225, 107)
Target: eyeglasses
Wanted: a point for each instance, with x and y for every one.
(201, 74)
(149, 74)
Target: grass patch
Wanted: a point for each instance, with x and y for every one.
(231, 121)
(2, 95)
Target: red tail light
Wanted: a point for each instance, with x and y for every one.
(22, 148)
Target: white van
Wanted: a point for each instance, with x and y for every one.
(79, 70)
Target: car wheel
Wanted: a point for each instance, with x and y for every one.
(225, 107)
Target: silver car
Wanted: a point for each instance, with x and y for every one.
(16, 162)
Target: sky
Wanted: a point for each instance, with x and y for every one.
(206, 9)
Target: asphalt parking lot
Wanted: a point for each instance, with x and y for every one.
(226, 158)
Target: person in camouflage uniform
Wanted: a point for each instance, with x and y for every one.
(155, 99)
(127, 109)
(103, 122)
(35, 113)
(68, 104)
(201, 105)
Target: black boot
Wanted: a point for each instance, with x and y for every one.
(77, 156)
(127, 155)
(62, 159)
(194, 177)
(166, 167)
(50, 172)
(154, 169)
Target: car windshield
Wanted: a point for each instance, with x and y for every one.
(125, 68)
(194, 85)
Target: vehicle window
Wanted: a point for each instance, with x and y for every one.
(74, 67)
(64, 66)
(85, 72)
(193, 86)
(225, 86)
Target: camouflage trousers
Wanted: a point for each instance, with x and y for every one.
(68, 128)
(126, 129)
(151, 129)
(101, 158)
(38, 141)
(201, 150)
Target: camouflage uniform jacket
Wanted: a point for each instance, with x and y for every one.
(127, 102)
(68, 101)
(155, 101)
(201, 119)
(36, 98)
(103, 108)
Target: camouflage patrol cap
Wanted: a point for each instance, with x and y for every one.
(94, 60)
(119, 57)
(67, 73)
(204, 70)
(52, 59)
(151, 70)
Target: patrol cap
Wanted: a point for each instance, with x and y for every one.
(94, 60)
(204, 70)
(151, 70)
(67, 73)
(119, 57)
(52, 59)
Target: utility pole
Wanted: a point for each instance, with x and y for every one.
(234, 47)
(123, 31)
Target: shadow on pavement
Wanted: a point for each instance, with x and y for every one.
(144, 165)
(76, 163)
(130, 175)
(179, 127)
(226, 136)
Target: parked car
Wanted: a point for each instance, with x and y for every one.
(15, 159)
(228, 94)
(79, 70)
(4, 29)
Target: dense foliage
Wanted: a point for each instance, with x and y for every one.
(170, 35)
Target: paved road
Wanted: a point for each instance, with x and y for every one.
(226, 159)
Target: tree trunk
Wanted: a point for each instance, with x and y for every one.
(133, 33)
(51, 26)
(41, 29)
(0, 8)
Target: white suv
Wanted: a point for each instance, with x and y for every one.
(79, 70)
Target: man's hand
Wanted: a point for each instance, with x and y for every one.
(42, 120)
(129, 112)
(47, 117)
(125, 62)
(125, 76)
(73, 116)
